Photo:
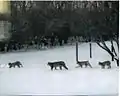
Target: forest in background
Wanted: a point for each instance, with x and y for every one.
(90, 19)
(96, 21)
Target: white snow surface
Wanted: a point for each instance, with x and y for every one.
(36, 78)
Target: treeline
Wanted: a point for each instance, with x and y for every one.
(94, 20)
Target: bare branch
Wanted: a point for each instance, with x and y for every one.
(113, 48)
(117, 42)
(101, 46)
(106, 48)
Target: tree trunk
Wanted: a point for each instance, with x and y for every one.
(76, 51)
(112, 50)
(90, 50)
(117, 61)
(65, 41)
(60, 42)
(117, 42)
(109, 51)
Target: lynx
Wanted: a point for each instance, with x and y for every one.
(59, 64)
(17, 63)
(105, 63)
(86, 63)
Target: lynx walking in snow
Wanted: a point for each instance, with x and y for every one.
(17, 63)
(59, 64)
(105, 63)
(86, 63)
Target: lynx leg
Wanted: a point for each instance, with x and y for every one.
(109, 67)
(65, 67)
(85, 65)
(90, 66)
(103, 67)
(60, 67)
(55, 68)
(51, 67)
(18, 66)
(21, 65)
(81, 66)
(14, 66)
(10, 66)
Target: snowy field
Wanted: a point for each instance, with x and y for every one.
(36, 78)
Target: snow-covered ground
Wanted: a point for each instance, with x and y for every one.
(37, 78)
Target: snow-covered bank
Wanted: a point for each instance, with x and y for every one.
(37, 78)
(73, 82)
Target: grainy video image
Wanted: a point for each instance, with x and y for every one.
(59, 48)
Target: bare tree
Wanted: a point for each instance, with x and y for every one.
(113, 53)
